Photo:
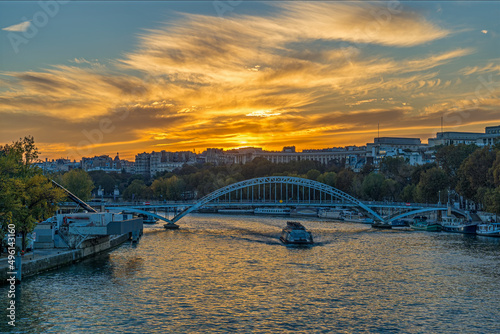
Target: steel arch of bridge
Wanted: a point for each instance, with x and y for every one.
(424, 210)
(324, 188)
(136, 210)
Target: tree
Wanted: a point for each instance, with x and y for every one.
(492, 200)
(367, 169)
(408, 193)
(39, 201)
(391, 188)
(373, 186)
(495, 169)
(135, 190)
(328, 178)
(475, 172)
(26, 196)
(344, 180)
(78, 182)
(104, 180)
(313, 174)
(432, 181)
(175, 188)
(159, 188)
(418, 170)
(450, 157)
(397, 169)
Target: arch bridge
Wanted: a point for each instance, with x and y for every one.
(280, 190)
(288, 191)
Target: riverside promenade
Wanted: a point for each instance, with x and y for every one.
(47, 259)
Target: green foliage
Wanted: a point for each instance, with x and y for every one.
(136, 190)
(495, 169)
(492, 200)
(391, 189)
(107, 181)
(373, 187)
(313, 174)
(431, 182)
(345, 179)
(408, 193)
(79, 183)
(397, 169)
(328, 178)
(450, 157)
(418, 170)
(169, 189)
(26, 196)
(476, 172)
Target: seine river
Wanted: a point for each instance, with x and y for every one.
(230, 274)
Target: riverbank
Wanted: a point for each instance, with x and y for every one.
(48, 259)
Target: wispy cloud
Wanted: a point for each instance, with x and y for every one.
(20, 27)
(265, 80)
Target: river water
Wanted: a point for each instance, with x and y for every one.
(221, 274)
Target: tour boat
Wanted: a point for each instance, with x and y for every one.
(296, 234)
(400, 224)
(171, 226)
(272, 211)
(332, 214)
(147, 219)
(235, 211)
(490, 229)
(420, 223)
(457, 225)
(304, 212)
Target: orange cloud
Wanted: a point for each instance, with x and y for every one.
(300, 75)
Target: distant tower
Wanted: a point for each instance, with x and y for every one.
(116, 161)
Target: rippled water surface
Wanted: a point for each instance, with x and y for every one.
(222, 274)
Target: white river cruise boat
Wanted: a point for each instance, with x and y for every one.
(488, 229)
(272, 211)
(458, 225)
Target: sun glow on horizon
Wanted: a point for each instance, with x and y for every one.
(308, 74)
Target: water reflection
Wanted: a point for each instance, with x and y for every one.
(231, 274)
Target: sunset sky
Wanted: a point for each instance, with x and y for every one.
(91, 78)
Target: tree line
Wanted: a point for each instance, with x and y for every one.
(460, 172)
(27, 195)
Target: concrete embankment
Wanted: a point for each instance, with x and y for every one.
(48, 259)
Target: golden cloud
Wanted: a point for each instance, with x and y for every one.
(302, 75)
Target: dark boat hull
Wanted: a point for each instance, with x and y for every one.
(298, 242)
(426, 227)
(171, 226)
(382, 226)
(465, 229)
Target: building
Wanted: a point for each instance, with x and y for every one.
(410, 149)
(454, 138)
(58, 165)
(103, 163)
(491, 136)
(398, 142)
(288, 154)
(216, 156)
(128, 166)
(150, 164)
(142, 164)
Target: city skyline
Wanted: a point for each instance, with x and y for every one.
(88, 78)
